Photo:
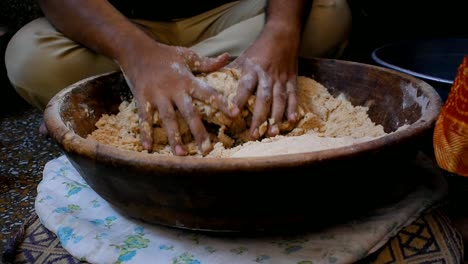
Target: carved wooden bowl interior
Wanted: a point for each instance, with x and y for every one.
(260, 193)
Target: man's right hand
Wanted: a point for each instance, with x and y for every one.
(162, 79)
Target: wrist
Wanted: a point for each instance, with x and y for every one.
(130, 42)
(283, 37)
(287, 28)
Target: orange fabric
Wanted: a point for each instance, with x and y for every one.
(451, 129)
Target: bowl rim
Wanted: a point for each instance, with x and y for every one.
(412, 43)
(376, 58)
(73, 143)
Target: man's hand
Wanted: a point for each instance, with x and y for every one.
(269, 68)
(161, 79)
(272, 75)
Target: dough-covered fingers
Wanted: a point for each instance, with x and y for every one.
(145, 113)
(169, 122)
(278, 108)
(291, 90)
(262, 105)
(192, 118)
(246, 87)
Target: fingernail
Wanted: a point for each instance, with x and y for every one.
(148, 146)
(180, 150)
(235, 111)
(274, 130)
(206, 146)
(255, 134)
(292, 117)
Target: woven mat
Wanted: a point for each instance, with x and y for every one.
(429, 239)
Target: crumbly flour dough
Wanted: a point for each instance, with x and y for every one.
(325, 122)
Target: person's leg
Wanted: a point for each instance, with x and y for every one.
(40, 62)
(234, 39)
(228, 28)
(325, 33)
(327, 29)
(233, 31)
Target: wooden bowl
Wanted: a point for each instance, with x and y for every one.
(260, 193)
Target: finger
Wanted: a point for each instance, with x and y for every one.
(277, 110)
(246, 86)
(169, 122)
(204, 92)
(185, 105)
(198, 63)
(145, 113)
(43, 132)
(262, 105)
(291, 90)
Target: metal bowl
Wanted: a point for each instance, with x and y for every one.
(433, 60)
(260, 193)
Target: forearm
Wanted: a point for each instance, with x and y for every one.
(286, 16)
(95, 24)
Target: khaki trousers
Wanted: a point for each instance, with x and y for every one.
(41, 61)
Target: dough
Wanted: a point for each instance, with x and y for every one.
(325, 122)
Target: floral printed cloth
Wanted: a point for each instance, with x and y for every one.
(90, 230)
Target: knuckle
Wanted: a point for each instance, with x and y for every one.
(283, 77)
(266, 90)
(291, 88)
(281, 95)
(267, 97)
(167, 115)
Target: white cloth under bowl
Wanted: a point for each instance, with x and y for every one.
(91, 230)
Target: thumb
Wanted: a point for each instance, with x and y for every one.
(43, 131)
(198, 63)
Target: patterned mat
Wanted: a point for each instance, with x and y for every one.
(429, 239)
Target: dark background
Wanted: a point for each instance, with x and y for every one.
(378, 22)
